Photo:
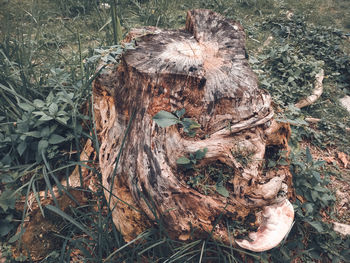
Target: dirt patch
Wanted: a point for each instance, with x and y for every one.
(41, 233)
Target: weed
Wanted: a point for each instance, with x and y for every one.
(243, 156)
(166, 119)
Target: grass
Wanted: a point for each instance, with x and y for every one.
(48, 54)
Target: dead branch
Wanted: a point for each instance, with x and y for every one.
(317, 92)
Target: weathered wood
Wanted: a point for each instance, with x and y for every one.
(202, 69)
(316, 93)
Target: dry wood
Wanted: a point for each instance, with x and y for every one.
(202, 69)
(265, 44)
(317, 92)
(312, 120)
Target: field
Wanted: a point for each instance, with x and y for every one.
(49, 52)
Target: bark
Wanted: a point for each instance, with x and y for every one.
(202, 69)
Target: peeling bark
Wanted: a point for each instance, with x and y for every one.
(202, 69)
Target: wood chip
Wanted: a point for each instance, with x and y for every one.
(343, 158)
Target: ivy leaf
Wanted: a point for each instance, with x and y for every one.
(165, 119)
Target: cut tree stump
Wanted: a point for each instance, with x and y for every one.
(202, 69)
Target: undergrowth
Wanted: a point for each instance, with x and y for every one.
(48, 56)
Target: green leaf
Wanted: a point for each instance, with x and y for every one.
(317, 225)
(314, 195)
(38, 113)
(5, 227)
(319, 163)
(21, 148)
(201, 153)
(35, 134)
(6, 178)
(190, 124)
(63, 119)
(119, 30)
(56, 139)
(45, 132)
(180, 113)
(39, 103)
(222, 190)
(309, 208)
(165, 119)
(183, 160)
(7, 200)
(42, 146)
(316, 175)
(271, 164)
(308, 155)
(45, 118)
(283, 162)
(17, 236)
(27, 107)
(53, 109)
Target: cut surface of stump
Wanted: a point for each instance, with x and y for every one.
(201, 71)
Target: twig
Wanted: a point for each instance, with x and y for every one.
(312, 120)
(266, 43)
(317, 92)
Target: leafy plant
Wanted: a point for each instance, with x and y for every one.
(189, 163)
(287, 69)
(165, 119)
(310, 233)
(243, 156)
(210, 178)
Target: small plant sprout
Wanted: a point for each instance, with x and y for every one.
(189, 163)
(165, 119)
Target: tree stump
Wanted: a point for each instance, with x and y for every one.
(201, 70)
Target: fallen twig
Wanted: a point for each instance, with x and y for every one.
(266, 43)
(317, 92)
(312, 120)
